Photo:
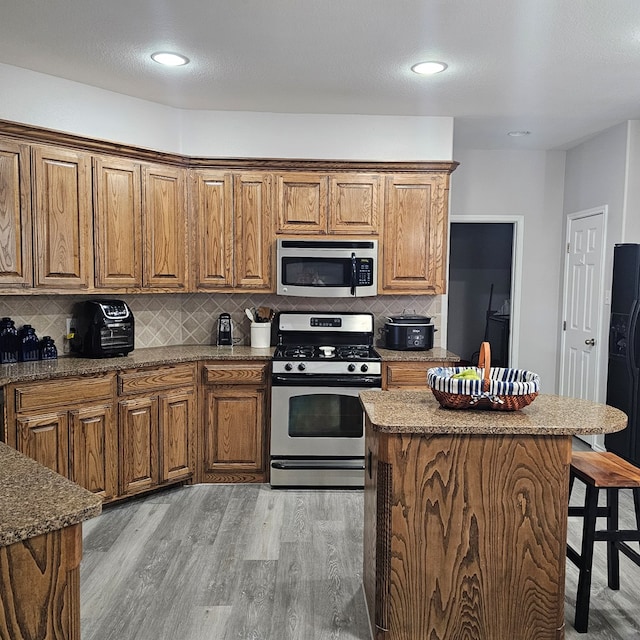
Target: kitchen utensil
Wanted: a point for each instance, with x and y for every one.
(263, 314)
(249, 314)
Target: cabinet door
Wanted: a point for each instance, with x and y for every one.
(62, 218)
(138, 444)
(302, 203)
(415, 229)
(93, 458)
(45, 438)
(15, 215)
(354, 204)
(252, 199)
(164, 224)
(234, 424)
(117, 223)
(177, 433)
(212, 194)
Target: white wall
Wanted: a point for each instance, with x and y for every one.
(528, 184)
(38, 99)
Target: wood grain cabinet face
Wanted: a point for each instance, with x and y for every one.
(45, 438)
(117, 222)
(311, 203)
(138, 444)
(408, 375)
(62, 217)
(253, 232)
(157, 427)
(164, 227)
(415, 218)
(234, 423)
(234, 230)
(16, 269)
(93, 449)
(213, 194)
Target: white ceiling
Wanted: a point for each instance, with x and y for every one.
(563, 69)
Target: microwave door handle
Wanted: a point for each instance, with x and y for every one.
(353, 274)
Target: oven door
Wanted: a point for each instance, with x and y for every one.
(317, 436)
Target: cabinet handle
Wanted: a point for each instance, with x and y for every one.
(370, 464)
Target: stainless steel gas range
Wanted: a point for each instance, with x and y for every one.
(322, 362)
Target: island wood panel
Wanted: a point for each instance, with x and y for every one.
(477, 539)
(212, 193)
(117, 222)
(16, 268)
(62, 218)
(302, 203)
(93, 449)
(354, 203)
(40, 595)
(253, 233)
(164, 222)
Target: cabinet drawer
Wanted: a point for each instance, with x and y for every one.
(235, 373)
(156, 379)
(405, 375)
(65, 391)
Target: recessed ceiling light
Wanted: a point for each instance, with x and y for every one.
(169, 59)
(518, 134)
(428, 68)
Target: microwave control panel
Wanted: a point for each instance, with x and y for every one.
(364, 272)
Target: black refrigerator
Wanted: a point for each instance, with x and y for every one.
(623, 379)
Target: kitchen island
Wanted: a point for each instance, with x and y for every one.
(466, 515)
(41, 515)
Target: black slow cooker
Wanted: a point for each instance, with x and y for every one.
(408, 333)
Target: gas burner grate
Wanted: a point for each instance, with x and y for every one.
(298, 351)
(354, 353)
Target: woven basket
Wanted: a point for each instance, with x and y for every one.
(499, 389)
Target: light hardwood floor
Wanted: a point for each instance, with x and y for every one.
(244, 562)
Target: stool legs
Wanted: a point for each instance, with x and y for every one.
(586, 559)
(613, 556)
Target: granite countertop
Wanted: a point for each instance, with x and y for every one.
(418, 412)
(35, 500)
(153, 356)
(437, 354)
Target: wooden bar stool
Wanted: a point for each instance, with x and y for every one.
(601, 470)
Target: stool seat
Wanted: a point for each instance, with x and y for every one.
(604, 469)
(601, 470)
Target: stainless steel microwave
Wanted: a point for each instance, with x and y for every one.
(327, 268)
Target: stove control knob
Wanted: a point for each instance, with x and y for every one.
(364, 368)
(288, 366)
(351, 367)
(301, 366)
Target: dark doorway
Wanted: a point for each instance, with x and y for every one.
(480, 277)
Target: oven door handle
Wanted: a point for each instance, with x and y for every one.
(320, 380)
(326, 464)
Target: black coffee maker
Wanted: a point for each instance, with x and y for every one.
(225, 330)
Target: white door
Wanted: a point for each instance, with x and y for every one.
(583, 295)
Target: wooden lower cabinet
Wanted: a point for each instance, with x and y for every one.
(157, 429)
(408, 375)
(234, 420)
(68, 425)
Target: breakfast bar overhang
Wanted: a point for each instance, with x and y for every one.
(466, 515)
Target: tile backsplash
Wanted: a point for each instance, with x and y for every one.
(170, 319)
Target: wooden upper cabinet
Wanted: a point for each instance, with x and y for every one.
(62, 217)
(253, 233)
(302, 203)
(15, 215)
(415, 232)
(164, 224)
(312, 203)
(354, 203)
(117, 222)
(212, 192)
